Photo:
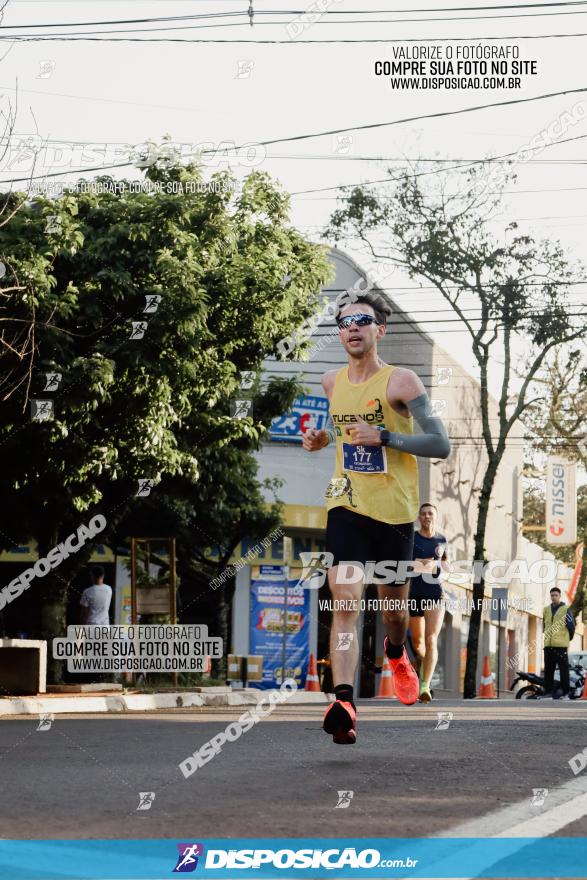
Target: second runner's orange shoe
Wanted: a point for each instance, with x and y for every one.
(340, 720)
(405, 680)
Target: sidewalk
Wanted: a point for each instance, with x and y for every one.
(134, 701)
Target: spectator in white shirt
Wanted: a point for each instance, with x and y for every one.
(95, 600)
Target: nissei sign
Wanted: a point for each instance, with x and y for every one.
(561, 501)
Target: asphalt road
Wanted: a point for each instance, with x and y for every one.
(82, 777)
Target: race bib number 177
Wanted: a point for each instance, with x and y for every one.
(364, 459)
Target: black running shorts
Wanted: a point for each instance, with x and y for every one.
(420, 602)
(352, 537)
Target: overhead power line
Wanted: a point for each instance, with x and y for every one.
(292, 42)
(424, 287)
(188, 27)
(488, 160)
(511, 192)
(369, 126)
(428, 9)
(326, 157)
(155, 19)
(440, 114)
(491, 323)
(434, 171)
(145, 20)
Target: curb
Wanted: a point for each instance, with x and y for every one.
(112, 703)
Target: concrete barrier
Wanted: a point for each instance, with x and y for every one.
(23, 667)
(142, 702)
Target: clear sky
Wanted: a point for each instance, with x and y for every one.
(119, 93)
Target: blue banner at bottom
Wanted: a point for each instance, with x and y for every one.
(272, 858)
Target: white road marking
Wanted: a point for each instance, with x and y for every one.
(566, 804)
(525, 820)
(548, 823)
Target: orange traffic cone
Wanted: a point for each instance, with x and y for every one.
(584, 697)
(487, 690)
(386, 688)
(312, 680)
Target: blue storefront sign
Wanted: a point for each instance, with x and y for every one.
(266, 626)
(306, 412)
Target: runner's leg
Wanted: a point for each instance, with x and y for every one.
(394, 611)
(348, 537)
(417, 637)
(396, 543)
(433, 619)
(344, 663)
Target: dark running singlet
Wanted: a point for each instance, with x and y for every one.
(428, 548)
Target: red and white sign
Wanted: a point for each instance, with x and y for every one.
(576, 574)
(561, 501)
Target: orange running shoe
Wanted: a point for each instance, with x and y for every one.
(340, 720)
(405, 680)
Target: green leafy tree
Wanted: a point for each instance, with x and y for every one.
(79, 271)
(442, 233)
(208, 518)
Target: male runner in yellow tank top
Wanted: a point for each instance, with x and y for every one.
(373, 497)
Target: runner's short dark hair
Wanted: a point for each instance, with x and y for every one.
(374, 298)
(428, 504)
(97, 571)
(555, 590)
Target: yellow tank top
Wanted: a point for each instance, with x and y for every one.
(374, 481)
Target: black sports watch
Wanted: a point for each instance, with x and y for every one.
(385, 437)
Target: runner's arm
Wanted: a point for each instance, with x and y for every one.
(445, 562)
(328, 380)
(329, 429)
(433, 442)
(314, 440)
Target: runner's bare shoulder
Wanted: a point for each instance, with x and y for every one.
(328, 380)
(404, 385)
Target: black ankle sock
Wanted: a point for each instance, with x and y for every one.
(394, 652)
(344, 692)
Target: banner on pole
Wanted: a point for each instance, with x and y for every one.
(561, 501)
(267, 626)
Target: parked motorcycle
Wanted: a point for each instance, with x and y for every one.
(533, 690)
(535, 687)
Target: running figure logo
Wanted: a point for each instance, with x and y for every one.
(439, 550)
(444, 719)
(187, 860)
(315, 568)
(46, 68)
(344, 640)
(52, 381)
(146, 799)
(45, 721)
(344, 800)
(241, 409)
(42, 410)
(443, 375)
(145, 487)
(152, 301)
(139, 328)
(539, 795)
